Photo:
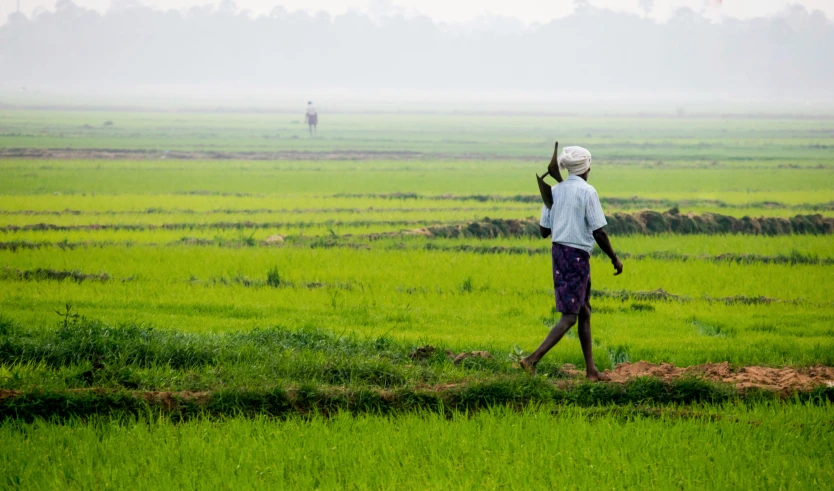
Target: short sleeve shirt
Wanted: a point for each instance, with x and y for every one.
(576, 213)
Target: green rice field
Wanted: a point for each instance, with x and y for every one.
(218, 300)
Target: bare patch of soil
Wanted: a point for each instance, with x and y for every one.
(9, 394)
(785, 380)
(425, 352)
(274, 239)
(472, 354)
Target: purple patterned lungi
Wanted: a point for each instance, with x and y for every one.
(571, 278)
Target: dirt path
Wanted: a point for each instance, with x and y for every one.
(785, 381)
(782, 380)
(127, 154)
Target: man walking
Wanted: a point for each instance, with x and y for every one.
(312, 117)
(575, 221)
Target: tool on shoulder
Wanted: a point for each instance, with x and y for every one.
(546, 192)
(553, 170)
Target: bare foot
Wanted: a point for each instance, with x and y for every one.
(527, 366)
(597, 376)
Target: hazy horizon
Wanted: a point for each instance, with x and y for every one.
(591, 55)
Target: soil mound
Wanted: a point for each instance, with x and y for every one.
(652, 222)
(472, 354)
(782, 380)
(643, 223)
(426, 352)
(484, 229)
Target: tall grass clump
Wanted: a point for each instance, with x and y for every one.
(79, 340)
(273, 277)
(713, 330)
(618, 355)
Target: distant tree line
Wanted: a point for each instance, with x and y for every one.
(789, 54)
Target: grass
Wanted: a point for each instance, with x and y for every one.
(390, 270)
(659, 138)
(282, 373)
(804, 249)
(425, 177)
(436, 297)
(289, 401)
(82, 353)
(764, 446)
(289, 358)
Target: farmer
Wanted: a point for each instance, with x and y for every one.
(575, 221)
(311, 117)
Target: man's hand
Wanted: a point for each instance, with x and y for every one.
(617, 265)
(605, 244)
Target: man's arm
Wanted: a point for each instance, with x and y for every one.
(601, 237)
(552, 169)
(595, 219)
(545, 222)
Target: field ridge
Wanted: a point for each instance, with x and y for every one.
(641, 223)
(515, 391)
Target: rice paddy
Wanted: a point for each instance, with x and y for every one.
(313, 313)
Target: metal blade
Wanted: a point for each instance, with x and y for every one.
(546, 191)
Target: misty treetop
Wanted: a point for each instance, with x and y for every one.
(786, 55)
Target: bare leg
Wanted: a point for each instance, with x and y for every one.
(591, 372)
(566, 322)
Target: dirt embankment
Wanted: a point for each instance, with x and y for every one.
(652, 222)
(646, 223)
(785, 380)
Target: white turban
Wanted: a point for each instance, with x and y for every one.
(575, 160)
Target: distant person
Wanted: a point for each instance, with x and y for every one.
(575, 221)
(311, 117)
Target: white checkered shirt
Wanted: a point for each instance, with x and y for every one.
(576, 213)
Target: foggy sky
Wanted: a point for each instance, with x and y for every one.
(787, 55)
(528, 11)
